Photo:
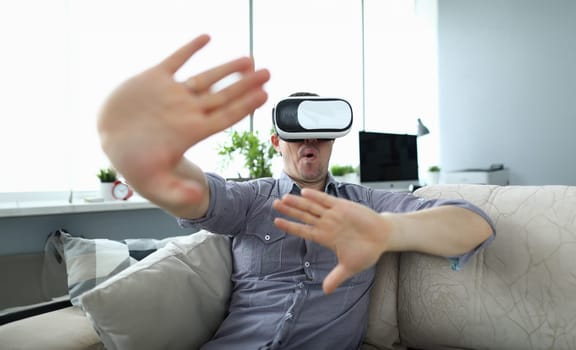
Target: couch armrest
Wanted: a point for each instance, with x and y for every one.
(517, 293)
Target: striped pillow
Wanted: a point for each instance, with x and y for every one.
(89, 262)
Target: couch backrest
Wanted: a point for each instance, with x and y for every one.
(24, 281)
(518, 293)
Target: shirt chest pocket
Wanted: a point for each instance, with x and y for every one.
(267, 250)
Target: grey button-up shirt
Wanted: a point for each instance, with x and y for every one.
(277, 300)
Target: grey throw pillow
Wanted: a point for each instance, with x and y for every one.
(174, 299)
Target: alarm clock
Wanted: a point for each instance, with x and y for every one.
(121, 191)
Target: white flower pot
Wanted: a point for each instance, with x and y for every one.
(433, 178)
(106, 191)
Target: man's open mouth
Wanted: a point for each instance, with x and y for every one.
(308, 153)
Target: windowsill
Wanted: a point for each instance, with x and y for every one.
(14, 207)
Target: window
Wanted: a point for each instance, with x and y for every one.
(400, 71)
(312, 46)
(64, 57)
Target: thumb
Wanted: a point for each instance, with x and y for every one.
(336, 277)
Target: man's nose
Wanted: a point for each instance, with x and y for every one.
(310, 140)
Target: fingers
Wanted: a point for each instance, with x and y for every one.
(306, 211)
(251, 81)
(319, 197)
(203, 81)
(299, 208)
(176, 60)
(229, 105)
(336, 277)
(297, 229)
(230, 112)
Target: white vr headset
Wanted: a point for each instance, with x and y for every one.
(311, 117)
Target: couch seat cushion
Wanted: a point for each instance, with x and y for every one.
(64, 329)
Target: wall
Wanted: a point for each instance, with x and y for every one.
(22, 235)
(507, 80)
(22, 242)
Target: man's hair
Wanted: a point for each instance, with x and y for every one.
(297, 94)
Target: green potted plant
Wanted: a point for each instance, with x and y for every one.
(257, 154)
(344, 173)
(434, 169)
(107, 177)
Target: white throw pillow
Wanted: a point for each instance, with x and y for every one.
(175, 298)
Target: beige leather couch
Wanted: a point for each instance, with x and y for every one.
(519, 293)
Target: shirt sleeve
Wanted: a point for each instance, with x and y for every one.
(229, 203)
(404, 202)
(457, 262)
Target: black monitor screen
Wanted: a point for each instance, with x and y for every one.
(388, 157)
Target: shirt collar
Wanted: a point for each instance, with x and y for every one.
(331, 185)
(286, 185)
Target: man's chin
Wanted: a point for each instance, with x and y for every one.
(313, 178)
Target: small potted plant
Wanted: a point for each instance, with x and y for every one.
(107, 177)
(433, 175)
(344, 173)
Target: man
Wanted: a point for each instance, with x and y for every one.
(296, 285)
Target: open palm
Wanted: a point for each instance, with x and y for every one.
(357, 234)
(151, 120)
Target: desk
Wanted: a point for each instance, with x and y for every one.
(477, 176)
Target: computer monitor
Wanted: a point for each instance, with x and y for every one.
(388, 161)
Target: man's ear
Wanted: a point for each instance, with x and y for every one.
(275, 140)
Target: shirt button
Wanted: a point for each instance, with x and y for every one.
(306, 264)
(267, 237)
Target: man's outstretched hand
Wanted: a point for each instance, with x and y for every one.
(357, 234)
(151, 120)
